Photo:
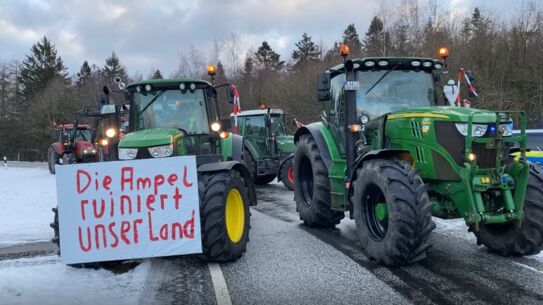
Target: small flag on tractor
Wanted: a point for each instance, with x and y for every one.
(461, 73)
(236, 106)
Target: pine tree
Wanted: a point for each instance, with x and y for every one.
(40, 67)
(220, 77)
(157, 75)
(113, 67)
(268, 59)
(377, 39)
(306, 51)
(351, 38)
(84, 74)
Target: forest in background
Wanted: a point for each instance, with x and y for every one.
(504, 53)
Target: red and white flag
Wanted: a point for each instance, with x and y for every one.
(237, 108)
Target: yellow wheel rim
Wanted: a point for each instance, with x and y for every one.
(235, 215)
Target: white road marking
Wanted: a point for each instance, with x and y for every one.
(219, 284)
(528, 267)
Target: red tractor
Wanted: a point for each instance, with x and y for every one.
(72, 146)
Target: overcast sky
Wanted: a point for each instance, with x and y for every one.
(150, 34)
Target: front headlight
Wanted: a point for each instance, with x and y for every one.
(127, 153)
(477, 130)
(505, 130)
(161, 151)
(111, 132)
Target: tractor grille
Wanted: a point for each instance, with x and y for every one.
(450, 139)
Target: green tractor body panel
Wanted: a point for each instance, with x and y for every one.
(462, 154)
(285, 143)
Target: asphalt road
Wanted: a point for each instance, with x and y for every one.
(290, 263)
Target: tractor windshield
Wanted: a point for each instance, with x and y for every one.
(398, 90)
(173, 109)
(83, 134)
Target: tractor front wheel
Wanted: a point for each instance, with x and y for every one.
(225, 216)
(312, 186)
(508, 239)
(250, 163)
(53, 158)
(392, 212)
(287, 174)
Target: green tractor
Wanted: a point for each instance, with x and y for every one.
(180, 117)
(387, 152)
(268, 148)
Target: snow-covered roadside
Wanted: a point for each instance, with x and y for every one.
(457, 228)
(45, 280)
(26, 198)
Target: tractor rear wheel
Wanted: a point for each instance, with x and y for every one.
(287, 174)
(508, 239)
(312, 187)
(225, 215)
(392, 212)
(53, 158)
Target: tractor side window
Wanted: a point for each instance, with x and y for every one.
(255, 126)
(336, 94)
(278, 126)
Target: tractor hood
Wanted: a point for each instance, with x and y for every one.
(448, 113)
(285, 143)
(150, 137)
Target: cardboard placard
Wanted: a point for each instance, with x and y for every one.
(128, 209)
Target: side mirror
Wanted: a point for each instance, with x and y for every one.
(231, 95)
(323, 86)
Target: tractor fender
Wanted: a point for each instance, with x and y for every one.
(228, 166)
(250, 147)
(58, 147)
(319, 140)
(281, 165)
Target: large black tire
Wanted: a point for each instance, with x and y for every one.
(312, 186)
(250, 163)
(52, 159)
(56, 240)
(217, 243)
(508, 239)
(287, 174)
(402, 237)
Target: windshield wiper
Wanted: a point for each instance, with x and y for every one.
(380, 79)
(151, 102)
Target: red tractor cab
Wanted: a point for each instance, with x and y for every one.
(72, 146)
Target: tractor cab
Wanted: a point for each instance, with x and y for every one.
(171, 118)
(268, 145)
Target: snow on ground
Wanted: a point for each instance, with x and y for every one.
(26, 198)
(45, 280)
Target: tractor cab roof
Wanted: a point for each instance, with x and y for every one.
(385, 63)
(169, 82)
(258, 112)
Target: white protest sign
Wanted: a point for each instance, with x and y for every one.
(128, 209)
